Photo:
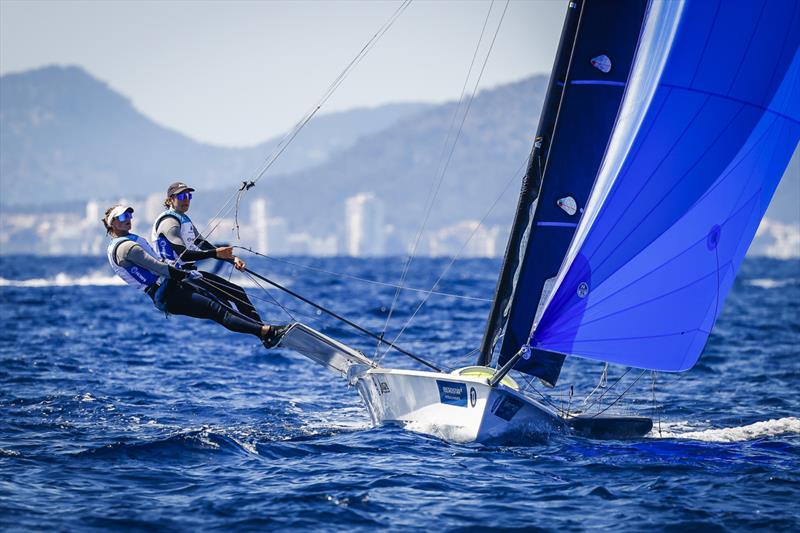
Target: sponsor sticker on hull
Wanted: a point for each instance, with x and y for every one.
(452, 393)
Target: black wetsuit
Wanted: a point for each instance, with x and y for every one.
(182, 298)
(233, 295)
(183, 295)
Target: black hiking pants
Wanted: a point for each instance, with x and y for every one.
(229, 293)
(183, 299)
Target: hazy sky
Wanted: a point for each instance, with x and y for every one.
(237, 73)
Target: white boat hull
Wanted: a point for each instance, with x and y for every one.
(453, 407)
(456, 407)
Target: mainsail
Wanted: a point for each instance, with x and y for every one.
(587, 85)
(687, 176)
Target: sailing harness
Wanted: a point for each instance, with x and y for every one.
(141, 278)
(166, 252)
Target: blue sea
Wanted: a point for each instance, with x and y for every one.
(113, 416)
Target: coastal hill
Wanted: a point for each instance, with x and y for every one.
(68, 136)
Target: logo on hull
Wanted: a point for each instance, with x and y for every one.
(452, 393)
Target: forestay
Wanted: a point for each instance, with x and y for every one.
(689, 172)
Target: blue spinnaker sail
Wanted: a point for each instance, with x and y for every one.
(677, 204)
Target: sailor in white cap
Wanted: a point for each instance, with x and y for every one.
(135, 261)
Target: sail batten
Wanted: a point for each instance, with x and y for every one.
(677, 206)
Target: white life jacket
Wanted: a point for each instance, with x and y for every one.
(134, 275)
(188, 235)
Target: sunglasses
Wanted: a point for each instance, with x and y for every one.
(124, 217)
(184, 196)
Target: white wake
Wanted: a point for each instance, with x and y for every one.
(99, 279)
(65, 280)
(769, 428)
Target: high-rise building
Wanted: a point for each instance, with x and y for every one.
(364, 226)
(277, 236)
(260, 225)
(92, 212)
(93, 239)
(468, 238)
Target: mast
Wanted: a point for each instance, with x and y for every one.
(531, 185)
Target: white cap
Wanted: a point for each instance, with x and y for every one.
(116, 211)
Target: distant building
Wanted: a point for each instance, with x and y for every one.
(260, 225)
(364, 226)
(306, 244)
(93, 241)
(92, 212)
(278, 236)
(467, 238)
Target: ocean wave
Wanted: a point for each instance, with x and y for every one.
(768, 428)
(64, 280)
(188, 441)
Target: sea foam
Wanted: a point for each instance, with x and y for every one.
(758, 430)
(65, 280)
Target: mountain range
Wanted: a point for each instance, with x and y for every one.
(66, 136)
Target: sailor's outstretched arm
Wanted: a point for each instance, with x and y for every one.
(130, 253)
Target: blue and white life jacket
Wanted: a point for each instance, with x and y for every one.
(133, 275)
(188, 235)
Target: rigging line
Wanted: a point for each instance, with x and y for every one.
(435, 189)
(458, 253)
(222, 288)
(618, 398)
(599, 398)
(275, 300)
(232, 298)
(600, 384)
(291, 134)
(447, 164)
(271, 301)
(331, 89)
(365, 280)
(343, 319)
(208, 225)
(469, 354)
(656, 412)
(529, 385)
(291, 313)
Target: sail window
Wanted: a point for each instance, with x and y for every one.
(602, 63)
(568, 205)
(583, 290)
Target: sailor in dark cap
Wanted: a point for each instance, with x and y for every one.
(178, 243)
(173, 290)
